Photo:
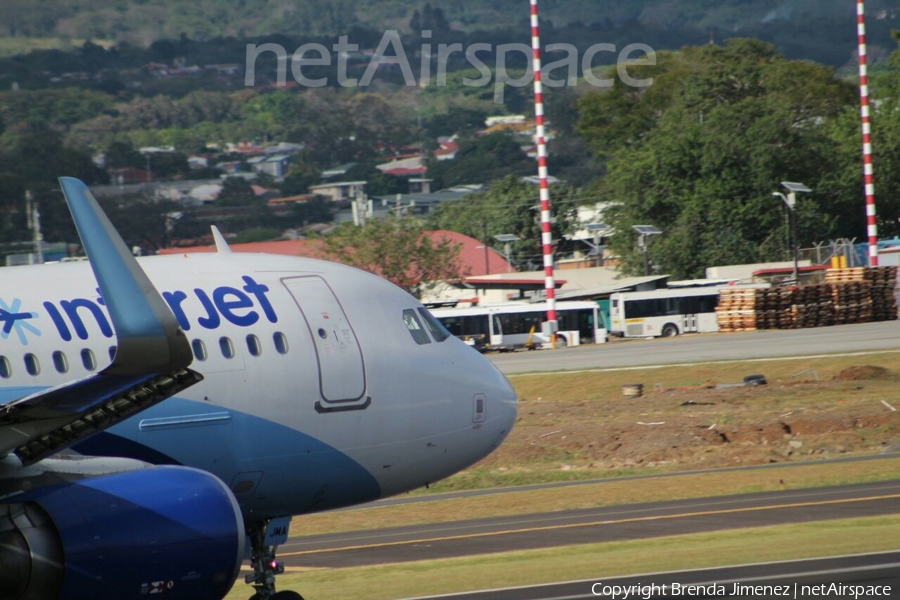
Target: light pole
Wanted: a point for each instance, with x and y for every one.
(791, 200)
(644, 231)
(598, 230)
(507, 239)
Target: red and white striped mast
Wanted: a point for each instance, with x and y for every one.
(546, 234)
(871, 226)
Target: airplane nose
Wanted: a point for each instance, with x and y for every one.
(507, 402)
(502, 404)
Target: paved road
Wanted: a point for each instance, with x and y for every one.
(563, 528)
(865, 337)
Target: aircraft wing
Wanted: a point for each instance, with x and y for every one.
(151, 360)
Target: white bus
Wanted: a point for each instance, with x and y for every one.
(664, 313)
(509, 326)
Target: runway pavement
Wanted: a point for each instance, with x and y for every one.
(541, 530)
(692, 348)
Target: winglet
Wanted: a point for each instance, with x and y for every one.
(222, 246)
(149, 338)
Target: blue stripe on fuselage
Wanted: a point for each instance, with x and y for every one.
(298, 472)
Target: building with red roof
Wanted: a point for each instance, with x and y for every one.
(475, 259)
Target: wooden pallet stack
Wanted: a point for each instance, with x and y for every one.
(852, 302)
(768, 309)
(884, 292)
(783, 303)
(855, 295)
(813, 306)
(879, 284)
(737, 309)
(851, 294)
(845, 275)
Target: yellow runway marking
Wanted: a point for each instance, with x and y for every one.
(592, 524)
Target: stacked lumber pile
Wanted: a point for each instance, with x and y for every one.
(845, 275)
(813, 307)
(782, 304)
(769, 308)
(852, 302)
(864, 294)
(738, 309)
(884, 292)
(856, 295)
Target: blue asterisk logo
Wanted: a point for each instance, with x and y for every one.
(12, 320)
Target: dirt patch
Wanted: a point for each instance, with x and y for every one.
(696, 427)
(863, 373)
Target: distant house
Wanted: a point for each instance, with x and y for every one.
(283, 205)
(262, 193)
(340, 190)
(198, 162)
(205, 194)
(423, 202)
(129, 175)
(404, 167)
(447, 149)
(504, 120)
(275, 165)
(516, 125)
(246, 148)
(226, 69)
(284, 148)
(338, 171)
(420, 186)
(230, 167)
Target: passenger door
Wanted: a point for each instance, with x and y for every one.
(342, 374)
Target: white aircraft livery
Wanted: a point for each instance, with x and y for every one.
(161, 421)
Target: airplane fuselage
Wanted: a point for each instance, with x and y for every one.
(323, 386)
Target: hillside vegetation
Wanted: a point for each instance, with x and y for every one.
(815, 29)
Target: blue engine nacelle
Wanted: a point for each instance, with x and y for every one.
(173, 531)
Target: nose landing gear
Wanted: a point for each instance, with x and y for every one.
(265, 566)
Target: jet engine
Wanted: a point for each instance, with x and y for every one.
(173, 531)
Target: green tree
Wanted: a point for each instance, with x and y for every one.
(509, 206)
(482, 160)
(398, 249)
(143, 220)
(236, 191)
(847, 179)
(300, 176)
(703, 163)
(121, 154)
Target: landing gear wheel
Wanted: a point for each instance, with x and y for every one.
(265, 567)
(561, 341)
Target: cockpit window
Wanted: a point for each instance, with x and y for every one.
(435, 327)
(415, 327)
